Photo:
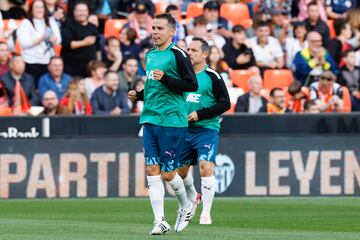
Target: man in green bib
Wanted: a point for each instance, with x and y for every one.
(204, 108)
(169, 74)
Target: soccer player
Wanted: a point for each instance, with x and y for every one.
(169, 75)
(204, 108)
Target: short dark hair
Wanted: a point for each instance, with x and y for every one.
(339, 25)
(171, 20)
(200, 20)
(263, 24)
(272, 92)
(131, 34)
(77, 3)
(294, 88)
(238, 29)
(95, 64)
(131, 57)
(204, 45)
(346, 52)
(312, 3)
(109, 72)
(171, 7)
(55, 58)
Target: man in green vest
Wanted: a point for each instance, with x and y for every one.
(169, 74)
(204, 108)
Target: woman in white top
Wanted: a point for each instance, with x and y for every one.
(37, 34)
(295, 44)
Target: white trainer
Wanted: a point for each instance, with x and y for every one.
(160, 227)
(205, 219)
(183, 218)
(196, 204)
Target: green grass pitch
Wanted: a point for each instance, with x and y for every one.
(233, 218)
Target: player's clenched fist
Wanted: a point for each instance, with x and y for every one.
(193, 117)
(132, 95)
(158, 74)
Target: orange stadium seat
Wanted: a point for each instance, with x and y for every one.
(277, 78)
(246, 23)
(113, 27)
(346, 100)
(160, 7)
(330, 24)
(240, 78)
(234, 12)
(194, 10)
(5, 111)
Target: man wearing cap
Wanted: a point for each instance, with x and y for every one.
(141, 21)
(215, 23)
(326, 93)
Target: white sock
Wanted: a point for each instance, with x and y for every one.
(208, 185)
(177, 185)
(190, 188)
(156, 194)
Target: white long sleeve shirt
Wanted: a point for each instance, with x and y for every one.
(26, 34)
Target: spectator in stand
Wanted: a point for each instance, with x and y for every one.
(96, 70)
(80, 41)
(93, 18)
(13, 9)
(128, 45)
(128, 75)
(112, 56)
(295, 44)
(51, 104)
(313, 60)
(326, 93)
(18, 80)
(350, 77)
(181, 30)
(54, 10)
(277, 103)
(269, 5)
(215, 61)
(109, 99)
(252, 102)
(267, 50)
(4, 58)
(336, 9)
(199, 30)
(215, 23)
(141, 21)
(236, 53)
(339, 44)
(304, 9)
(75, 99)
(298, 97)
(141, 63)
(280, 24)
(314, 23)
(37, 34)
(55, 80)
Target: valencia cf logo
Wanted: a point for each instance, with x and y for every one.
(224, 172)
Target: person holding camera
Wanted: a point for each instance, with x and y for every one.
(236, 53)
(37, 34)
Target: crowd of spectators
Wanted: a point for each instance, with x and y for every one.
(59, 54)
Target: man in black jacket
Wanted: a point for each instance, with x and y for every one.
(252, 102)
(80, 42)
